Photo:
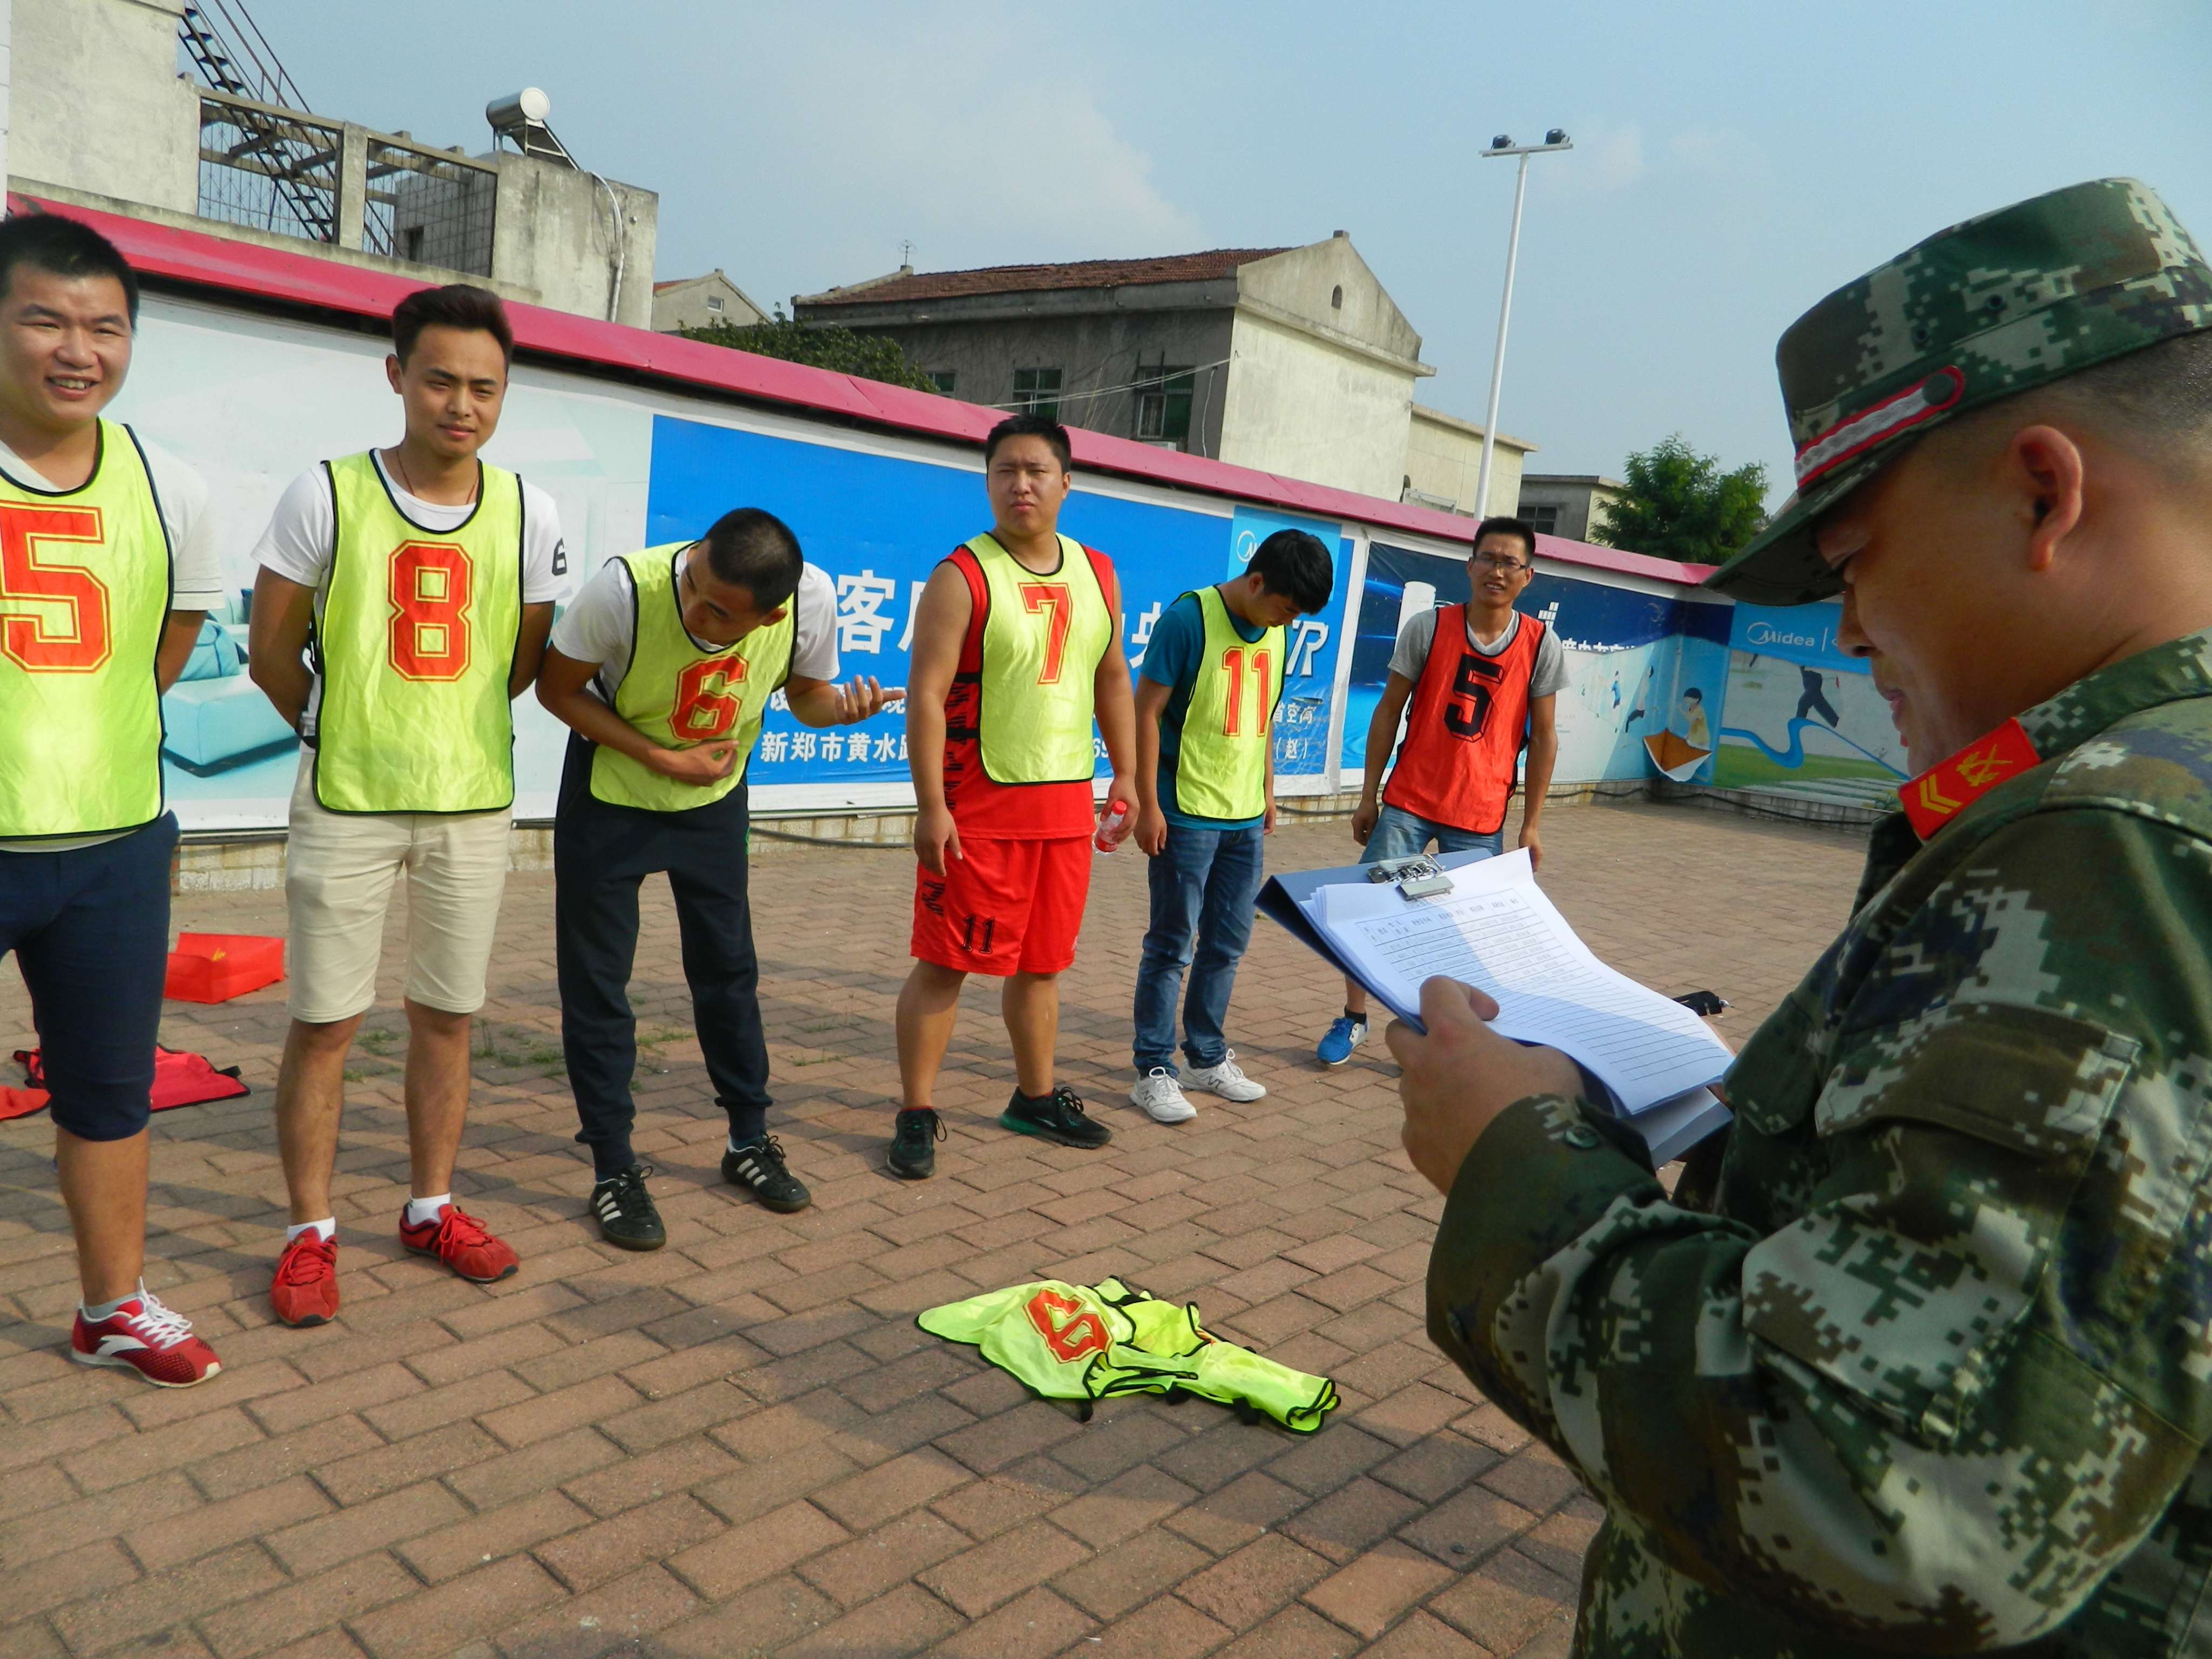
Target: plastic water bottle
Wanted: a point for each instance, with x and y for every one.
(1113, 828)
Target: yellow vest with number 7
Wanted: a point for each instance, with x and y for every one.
(1043, 636)
(415, 644)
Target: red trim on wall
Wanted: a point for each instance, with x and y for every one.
(201, 260)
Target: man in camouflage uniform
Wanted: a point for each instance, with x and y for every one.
(1923, 1361)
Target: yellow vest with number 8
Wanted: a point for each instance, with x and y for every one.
(415, 645)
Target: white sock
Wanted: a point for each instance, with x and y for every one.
(422, 1210)
(327, 1230)
(93, 1315)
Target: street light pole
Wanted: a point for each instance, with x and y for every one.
(1556, 139)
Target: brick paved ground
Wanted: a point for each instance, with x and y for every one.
(742, 1443)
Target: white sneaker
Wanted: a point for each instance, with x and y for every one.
(1161, 1097)
(1228, 1080)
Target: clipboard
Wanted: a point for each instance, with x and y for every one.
(1280, 896)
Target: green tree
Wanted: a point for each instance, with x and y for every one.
(871, 357)
(1680, 505)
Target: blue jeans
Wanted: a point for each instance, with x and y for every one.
(1204, 884)
(1399, 833)
(90, 931)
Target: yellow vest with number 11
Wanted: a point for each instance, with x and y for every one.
(415, 645)
(1043, 636)
(84, 598)
(681, 695)
(1221, 769)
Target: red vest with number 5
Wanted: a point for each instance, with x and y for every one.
(1465, 727)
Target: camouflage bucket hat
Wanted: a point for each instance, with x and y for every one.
(2008, 300)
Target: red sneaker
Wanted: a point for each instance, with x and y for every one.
(462, 1243)
(155, 1341)
(305, 1289)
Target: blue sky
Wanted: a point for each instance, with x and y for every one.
(1734, 161)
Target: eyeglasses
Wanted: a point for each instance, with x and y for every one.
(1501, 562)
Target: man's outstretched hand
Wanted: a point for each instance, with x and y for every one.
(1462, 1074)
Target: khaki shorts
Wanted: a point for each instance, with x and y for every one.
(339, 876)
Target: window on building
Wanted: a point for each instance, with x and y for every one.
(1036, 392)
(944, 379)
(413, 251)
(1164, 399)
(1543, 520)
(1336, 299)
(714, 303)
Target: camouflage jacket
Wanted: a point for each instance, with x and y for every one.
(1932, 1370)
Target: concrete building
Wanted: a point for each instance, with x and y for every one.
(237, 146)
(1565, 504)
(1443, 465)
(1293, 361)
(709, 301)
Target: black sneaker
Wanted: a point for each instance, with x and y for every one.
(759, 1169)
(624, 1210)
(1056, 1116)
(913, 1156)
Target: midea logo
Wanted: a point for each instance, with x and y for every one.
(1761, 633)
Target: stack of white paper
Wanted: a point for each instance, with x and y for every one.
(1496, 930)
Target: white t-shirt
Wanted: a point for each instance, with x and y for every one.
(1411, 654)
(302, 540)
(194, 546)
(195, 564)
(600, 625)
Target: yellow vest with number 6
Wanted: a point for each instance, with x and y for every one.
(415, 645)
(84, 598)
(680, 694)
(1221, 769)
(1043, 636)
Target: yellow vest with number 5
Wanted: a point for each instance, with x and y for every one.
(84, 598)
(1043, 637)
(1221, 769)
(681, 695)
(415, 645)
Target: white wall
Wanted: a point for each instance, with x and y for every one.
(1443, 458)
(1297, 405)
(96, 103)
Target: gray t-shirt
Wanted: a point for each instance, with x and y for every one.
(1411, 654)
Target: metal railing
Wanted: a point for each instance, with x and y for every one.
(269, 167)
(429, 207)
(295, 174)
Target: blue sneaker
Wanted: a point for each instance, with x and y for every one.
(1345, 1035)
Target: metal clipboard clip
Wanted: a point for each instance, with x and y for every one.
(1416, 877)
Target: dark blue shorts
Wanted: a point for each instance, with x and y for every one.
(90, 930)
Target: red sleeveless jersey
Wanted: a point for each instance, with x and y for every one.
(1465, 727)
(1007, 812)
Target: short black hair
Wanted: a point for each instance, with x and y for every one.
(1694, 692)
(63, 246)
(1031, 426)
(755, 551)
(1505, 526)
(457, 305)
(1296, 565)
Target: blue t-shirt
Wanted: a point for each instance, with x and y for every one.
(1172, 658)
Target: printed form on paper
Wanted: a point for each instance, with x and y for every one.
(1496, 930)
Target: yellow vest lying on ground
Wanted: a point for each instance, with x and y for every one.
(1092, 1342)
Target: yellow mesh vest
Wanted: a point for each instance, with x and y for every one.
(1221, 769)
(680, 695)
(1092, 1342)
(415, 642)
(1042, 640)
(84, 597)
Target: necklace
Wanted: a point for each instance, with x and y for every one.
(407, 483)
